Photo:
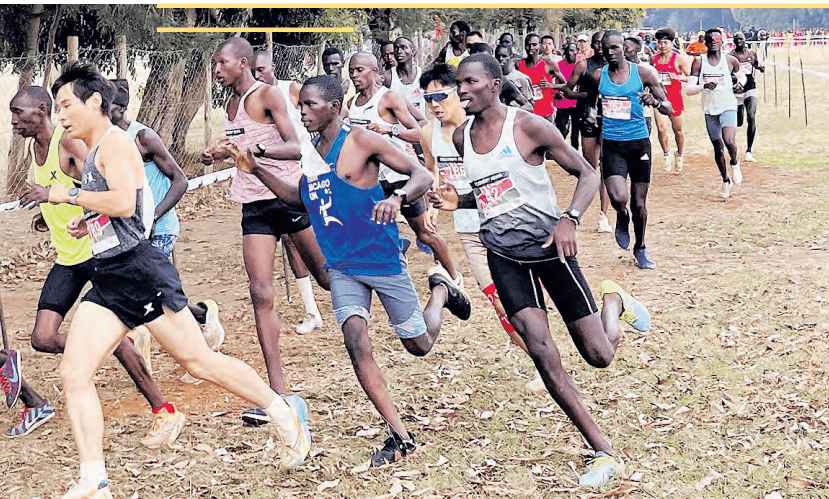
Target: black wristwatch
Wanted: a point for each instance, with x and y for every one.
(573, 215)
(261, 149)
(401, 193)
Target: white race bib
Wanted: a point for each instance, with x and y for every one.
(616, 107)
(101, 233)
(719, 79)
(537, 94)
(665, 78)
(496, 195)
(746, 67)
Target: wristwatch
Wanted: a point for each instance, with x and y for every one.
(395, 131)
(573, 214)
(73, 195)
(401, 193)
(261, 150)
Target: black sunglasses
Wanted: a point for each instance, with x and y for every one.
(439, 96)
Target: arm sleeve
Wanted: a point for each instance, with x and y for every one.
(693, 87)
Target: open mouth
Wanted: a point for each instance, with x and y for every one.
(465, 102)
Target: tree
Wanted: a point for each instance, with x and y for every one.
(595, 19)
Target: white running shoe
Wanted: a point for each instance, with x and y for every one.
(679, 163)
(750, 157)
(310, 323)
(669, 161)
(165, 430)
(142, 341)
(736, 174)
(213, 330)
(725, 190)
(604, 223)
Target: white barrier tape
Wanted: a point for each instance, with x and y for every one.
(192, 184)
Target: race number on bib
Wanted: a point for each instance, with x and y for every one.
(451, 168)
(616, 107)
(746, 67)
(719, 79)
(537, 94)
(496, 195)
(665, 78)
(101, 233)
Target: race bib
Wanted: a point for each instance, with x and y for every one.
(451, 168)
(496, 195)
(746, 67)
(358, 121)
(537, 94)
(101, 233)
(719, 79)
(665, 78)
(616, 107)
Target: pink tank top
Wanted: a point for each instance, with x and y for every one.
(566, 72)
(246, 188)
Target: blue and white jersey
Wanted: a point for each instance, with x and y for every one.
(623, 116)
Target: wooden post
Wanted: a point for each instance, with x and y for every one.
(789, 73)
(269, 38)
(208, 105)
(803, 82)
(72, 48)
(764, 86)
(121, 71)
(774, 63)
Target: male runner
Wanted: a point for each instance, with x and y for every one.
(167, 184)
(515, 82)
(747, 99)
(625, 88)
(385, 112)
(256, 115)
(354, 222)
(566, 108)
(548, 48)
(263, 71)
(133, 284)
(541, 71)
(586, 47)
(388, 61)
(405, 75)
(633, 46)
(57, 159)
(697, 47)
(673, 69)
(714, 74)
(333, 62)
(530, 243)
(455, 50)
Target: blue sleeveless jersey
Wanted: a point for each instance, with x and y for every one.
(341, 216)
(623, 116)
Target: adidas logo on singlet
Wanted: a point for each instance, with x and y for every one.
(506, 151)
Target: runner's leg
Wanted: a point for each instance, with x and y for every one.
(639, 211)
(751, 115)
(434, 241)
(662, 122)
(679, 135)
(306, 245)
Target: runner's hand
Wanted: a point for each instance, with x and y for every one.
(445, 197)
(34, 195)
(711, 85)
(244, 159)
(385, 211)
(77, 227)
(431, 219)
(207, 158)
(647, 99)
(58, 193)
(564, 237)
(382, 130)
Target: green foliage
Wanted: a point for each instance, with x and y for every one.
(593, 19)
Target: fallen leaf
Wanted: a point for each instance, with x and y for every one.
(328, 485)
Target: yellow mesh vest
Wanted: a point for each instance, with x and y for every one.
(71, 251)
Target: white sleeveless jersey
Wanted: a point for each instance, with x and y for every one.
(411, 92)
(302, 134)
(450, 165)
(516, 200)
(370, 113)
(722, 98)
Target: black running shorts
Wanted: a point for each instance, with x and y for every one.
(627, 157)
(589, 130)
(273, 217)
(519, 286)
(136, 285)
(63, 286)
(414, 209)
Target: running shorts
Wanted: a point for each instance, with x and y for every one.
(589, 130)
(414, 209)
(63, 286)
(675, 98)
(273, 217)
(627, 158)
(714, 123)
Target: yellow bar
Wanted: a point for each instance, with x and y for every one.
(254, 30)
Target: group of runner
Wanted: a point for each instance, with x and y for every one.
(391, 139)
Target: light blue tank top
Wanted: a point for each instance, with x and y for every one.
(623, 116)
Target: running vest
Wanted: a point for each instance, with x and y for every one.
(587, 107)
(543, 105)
(112, 236)
(370, 113)
(71, 251)
(722, 98)
(453, 60)
(410, 92)
(341, 216)
(623, 115)
(302, 134)
(673, 86)
(159, 186)
(245, 187)
(747, 67)
(566, 71)
(450, 165)
(516, 201)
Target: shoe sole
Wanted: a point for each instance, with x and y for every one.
(213, 327)
(446, 282)
(253, 420)
(35, 426)
(300, 407)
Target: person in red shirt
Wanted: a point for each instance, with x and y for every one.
(673, 69)
(541, 72)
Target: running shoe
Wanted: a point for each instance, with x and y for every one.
(255, 417)
(295, 454)
(680, 163)
(634, 312)
(458, 279)
(165, 430)
(79, 491)
(750, 157)
(604, 223)
(669, 161)
(142, 341)
(622, 230)
(725, 190)
(213, 330)
(457, 301)
(736, 173)
(423, 247)
(10, 378)
(31, 418)
(642, 260)
(603, 468)
(394, 449)
(310, 323)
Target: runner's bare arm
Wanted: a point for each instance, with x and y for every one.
(426, 144)
(397, 106)
(693, 87)
(245, 162)
(276, 106)
(154, 147)
(554, 70)
(71, 154)
(567, 89)
(656, 98)
(758, 63)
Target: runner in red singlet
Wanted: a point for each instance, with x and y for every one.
(673, 69)
(541, 71)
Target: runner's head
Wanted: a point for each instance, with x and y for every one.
(713, 40)
(31, 109)
(479, 86)
(632, 47)
(532, 45)
(82, 97)
(474, 37)
(120, 102)
(387, 55)
(613, 48)
(506, 38)
(320, 102)
(440, 86)
(503, 54)
(479, 48)
(362, 69)
(263, 67)
(404, 50)
(739, 40)
(583, 43)
(571, 52)
(596, 44)
(232, 61)
(333, 62)
(665, 40)
(458, 31)
(548, 45)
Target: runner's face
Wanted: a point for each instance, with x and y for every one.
(116, 113)
(716, 43)
(547, 46)
(315, 111)
(263, 69)
(614, 50)
(570, 53)
(74, 114)
(447, 107)
(456, 36)
(26, 120)
(403, 51)
(631, 51)
(739, 41)
(333, 66)
(362, 72)
(227, 67)
(531, 47)
(664, 46)
(388, 56)
(502, 55)
(477, 88)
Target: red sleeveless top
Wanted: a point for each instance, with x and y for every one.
(543, 96)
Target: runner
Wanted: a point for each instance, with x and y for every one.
(133, 284)
(566, 108)
(548, 48)
(714, 75)
(357, 233)
(256, 115)
(541, 72)
(673, 69)
(698, 47)
(388, 61)
(625, 88)
(384, 111)
(747, 99)
(586, 49)
(167, 184)
(455, 50)
(517, 87)
(263, 70)
(633, 46)
(57, 158)
(333, 62)
(528, 241)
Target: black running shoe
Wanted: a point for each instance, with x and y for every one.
(255, 417)
(622, 232)
(394, 449)
(457, 301)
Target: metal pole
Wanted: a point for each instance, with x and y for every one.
(764, 87)
(789, 73)
(774, 61)
(803, 82)
(3, 325)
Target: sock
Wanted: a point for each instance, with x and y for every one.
(93, 473)
(280, 414)
(304, 285)
(165, 405)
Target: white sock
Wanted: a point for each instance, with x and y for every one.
(93, 473)
(304, 285)
(281, 416)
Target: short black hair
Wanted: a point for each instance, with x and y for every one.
(384, 43)
(506, 33)
(122, 92)
(444, 74)
(597, 36)
(479, 48)
(709, 32)
(610, 33)
(331, 50)
(86, 81)
(411, 42)
(461, 25)
(239, 47)
(260, 52)
(530, 35)
(330, 88)
(634, 39)
(548, 36)
(489, 63)
(666, 33)
(37, 94)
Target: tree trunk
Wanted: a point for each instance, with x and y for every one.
(50, 72)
